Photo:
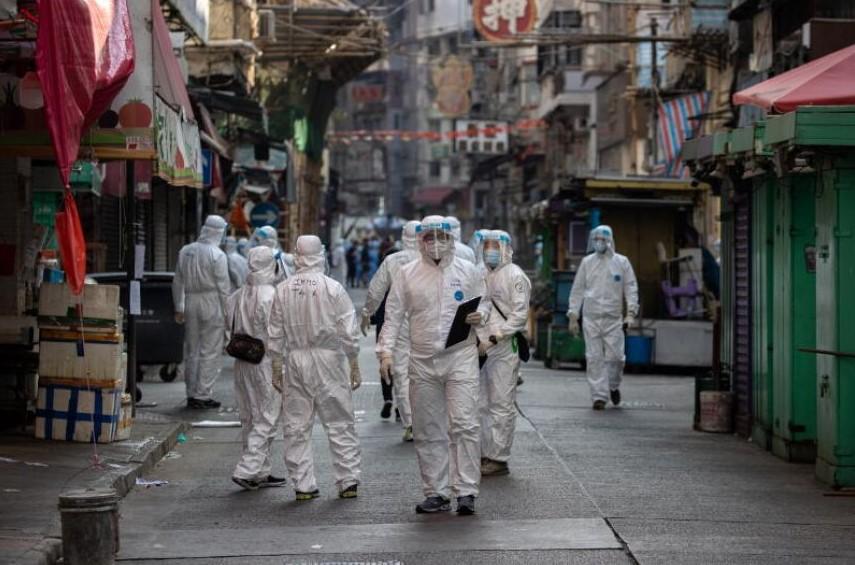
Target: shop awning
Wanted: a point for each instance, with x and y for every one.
(642, 184)
(432, 195)
(827, 81)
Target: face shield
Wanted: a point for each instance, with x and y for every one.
(243, 246)
(497, 248)
(229, 244)
(435, 238)
(602, 239)
(265, 236)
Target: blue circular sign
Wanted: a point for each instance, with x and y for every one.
(264, 214)
(458, 296)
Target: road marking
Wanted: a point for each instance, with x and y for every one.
(457, 534)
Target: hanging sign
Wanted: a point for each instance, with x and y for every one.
(500, 20)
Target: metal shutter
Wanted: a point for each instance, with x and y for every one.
(742, 317)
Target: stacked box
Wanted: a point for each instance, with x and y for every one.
(74, 414)
(81, 364)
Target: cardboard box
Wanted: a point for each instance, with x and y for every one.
(100, 361)
(123, 430)
(100, 302)
(76, 414)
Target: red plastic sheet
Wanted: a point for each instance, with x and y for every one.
(72, 244)
(826, 81)
(84, 56)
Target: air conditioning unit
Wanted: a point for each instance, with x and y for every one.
(267, 25)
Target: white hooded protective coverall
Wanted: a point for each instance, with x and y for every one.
(238, 267)
(259, 403)
(314, 325)
(390, 270)
(443, 382)
(243, 247)
(509, 289)
(602, 283)
(200, 288)
(460, 249)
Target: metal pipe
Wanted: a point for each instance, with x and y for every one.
(827, 352)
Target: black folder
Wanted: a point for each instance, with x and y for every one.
(459, 328)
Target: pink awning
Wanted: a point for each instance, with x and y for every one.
(432, 196)
(827, 81)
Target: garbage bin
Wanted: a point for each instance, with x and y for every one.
(160, 340)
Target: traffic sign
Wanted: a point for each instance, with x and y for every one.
(264, 214)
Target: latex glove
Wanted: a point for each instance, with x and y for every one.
(573, 326)
(365, 322)
(386, 370)
(474, 319)
(355, 375)
(483, 347)
(179, 317)
(628, 322)
(277, 374)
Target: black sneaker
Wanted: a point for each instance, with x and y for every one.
(599, 405)
(615, 394)
(387, 410)
(301, 496)
(433, 504)
(520, 380)
(491, 468)
(466, 505)
(246, 484)
(198, 403)
(349, 492)
(272, 481)
(194, 403)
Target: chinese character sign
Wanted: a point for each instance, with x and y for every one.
(498, 20)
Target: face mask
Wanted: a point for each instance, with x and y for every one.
(436, 248)
(600, 246)
(492, 257)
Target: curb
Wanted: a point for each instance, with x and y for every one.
(49, 550)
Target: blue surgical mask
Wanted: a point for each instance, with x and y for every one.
(492, 257)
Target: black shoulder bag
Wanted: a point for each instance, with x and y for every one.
(522, 342)
(243, 346)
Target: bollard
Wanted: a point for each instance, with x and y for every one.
(90, 526)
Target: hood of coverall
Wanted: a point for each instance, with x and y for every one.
(266, 236)
(477, 244)
(506, 250)
(309, 256)
(436, 250)
(455, 227)
(229, 244)
(213, 231)
(606, 233)
(243, 246)
(262, 266)
(409, 241)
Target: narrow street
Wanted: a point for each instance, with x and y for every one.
(628, 485)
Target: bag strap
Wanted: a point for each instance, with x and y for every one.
(499, 310)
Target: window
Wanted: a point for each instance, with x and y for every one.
(433, 47)
(455, 169)
(435, 169)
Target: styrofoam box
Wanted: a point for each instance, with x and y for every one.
(67, 413)
(101, 361)
(100, 301)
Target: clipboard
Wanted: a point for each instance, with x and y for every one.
(459, 328)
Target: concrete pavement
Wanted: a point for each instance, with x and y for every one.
(628, 485)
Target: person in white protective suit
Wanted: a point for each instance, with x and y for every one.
(267, 236)
(258, 399)
(460, 249)
(238, 267)
(603, 282)
(338, 263)
(313, 324)
(243, 247)
(508, 290)
(390, 269)
(443, 381)
(200, 288)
